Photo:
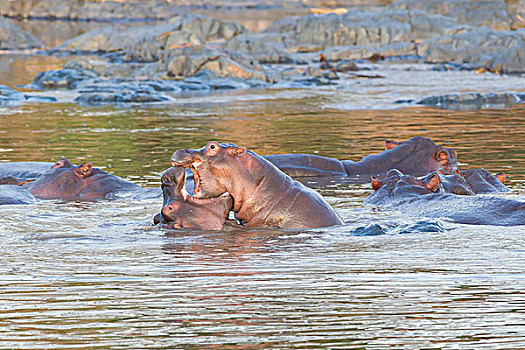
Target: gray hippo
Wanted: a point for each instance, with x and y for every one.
(417, 156)
(418, 197)
(180, 210)
(263, 196)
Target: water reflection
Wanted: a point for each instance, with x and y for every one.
(99, 274)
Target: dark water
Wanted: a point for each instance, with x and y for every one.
(99, 275)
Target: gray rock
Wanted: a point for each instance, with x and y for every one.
(62, 79)
(483, 48)
(474, 101)
(9, 96)
(490, 13)
(190, 61)
(13, 38)
(266, 47)
(364, 28)
(355, 52)
(123, 97)
(146, 43)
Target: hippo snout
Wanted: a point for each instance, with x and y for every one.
(182, 157)
(168, 211)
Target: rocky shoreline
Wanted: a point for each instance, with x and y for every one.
(142, 62)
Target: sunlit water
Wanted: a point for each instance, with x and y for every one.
(100, 275)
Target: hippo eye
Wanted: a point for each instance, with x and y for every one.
(212, 146)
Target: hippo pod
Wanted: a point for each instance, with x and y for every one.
(263, 196)
(180, 210)
(417, 156)
(83, 182)
(420, 197)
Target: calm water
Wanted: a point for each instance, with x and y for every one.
(99, 275)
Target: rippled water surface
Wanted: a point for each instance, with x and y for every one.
(100, 275)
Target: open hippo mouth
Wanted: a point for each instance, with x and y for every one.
(194, 167)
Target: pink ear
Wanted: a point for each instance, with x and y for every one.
(84, 170)
(501, 177)
(240, 150)
(389, 144)
(432, 184)
(376, 184)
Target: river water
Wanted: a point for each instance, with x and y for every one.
(100, 275)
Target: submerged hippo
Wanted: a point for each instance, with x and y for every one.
(68, 182)
(482, 181)
(180, 210)
(14, 194)
(262, 194)
(416, 197)
(417, 156)
(23, 171)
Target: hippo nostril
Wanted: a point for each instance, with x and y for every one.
(170, 208)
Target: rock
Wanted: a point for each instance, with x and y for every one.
(266, 47)
(122, 97)
(364, 28)
(147, 43)
(88, 10)
(355, 52)
(13, 38)
(490, 13)
(62, 79)
(9, 96)
(474, 101)
(190, 61)
(483, 48)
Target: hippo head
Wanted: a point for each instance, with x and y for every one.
(180, 210)
(396, 183)
(422, 153)
(455, 184)
(212, 167)
(68, 182)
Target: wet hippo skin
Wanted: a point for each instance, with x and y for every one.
(180, 210)
(23, 171)
(482, 181)
(262, 195)
(417, 156)
(418, 198)
(14, 194)
(68, 182)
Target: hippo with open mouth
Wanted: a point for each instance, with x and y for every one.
(180, 210)
(263, 196)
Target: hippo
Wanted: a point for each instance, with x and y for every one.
(180, 210)
(24, 171)
(83, 182)
(14, 194)
(263, 196)
(482, 181)
(417, 156)
(417, 197)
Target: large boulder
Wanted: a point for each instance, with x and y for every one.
(364, 28)
(474, 101)
(483, 48)
(190, 61)
(146, 43)
(490, 13)
(12, 37)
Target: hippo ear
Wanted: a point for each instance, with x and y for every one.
(501, 177)
(442, 157)
(376, 184)
(84, 170)
(432, 182)
(389, 144)
(239, 150)
(457, 172)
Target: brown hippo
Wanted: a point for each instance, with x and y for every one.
(418, 198)
(82, 182)
(262, 195)
(181, 210)
(417, 156)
